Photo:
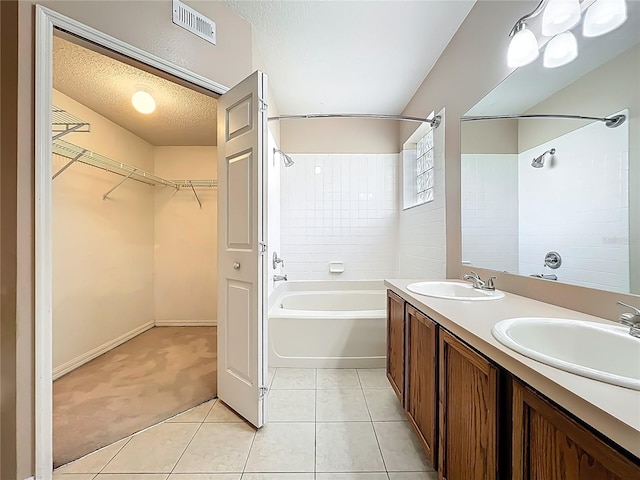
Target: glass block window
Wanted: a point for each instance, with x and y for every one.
(424, 169)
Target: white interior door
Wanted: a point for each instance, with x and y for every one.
(242, 177)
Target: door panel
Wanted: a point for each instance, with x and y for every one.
(239, 197)
(242, 327)
(239, 330)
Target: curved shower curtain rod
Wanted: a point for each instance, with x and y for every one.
(611, 122)
(434, 122)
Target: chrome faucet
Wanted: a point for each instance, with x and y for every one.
(631, 320)
(546, 277)
(275, 261)
(475, 279)
(479, 283)
(279, 278)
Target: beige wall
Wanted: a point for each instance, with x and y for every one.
(339, 135)
(186, 287)
(490, 136)
(146, 25)
(608, 89)
(472, 65)
(102, 249)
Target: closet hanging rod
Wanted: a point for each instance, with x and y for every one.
(69, 150)
(129, 172)
(196, 183)
(611, 122)
(435, 121)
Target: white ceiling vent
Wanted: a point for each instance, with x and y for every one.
(188, 18)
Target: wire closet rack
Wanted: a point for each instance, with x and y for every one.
(64, 123)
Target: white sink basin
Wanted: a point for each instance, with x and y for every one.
(453, 291)
(602, 352)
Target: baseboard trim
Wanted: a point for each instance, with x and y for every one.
(96, 352)
(186, 323)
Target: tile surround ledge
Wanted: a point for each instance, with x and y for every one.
(613, 411)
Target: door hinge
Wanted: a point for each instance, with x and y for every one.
(262, 105)
(262, 248)
(262, 392)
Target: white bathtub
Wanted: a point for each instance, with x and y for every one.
(328, 325)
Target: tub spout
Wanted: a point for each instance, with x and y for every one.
(278, 278)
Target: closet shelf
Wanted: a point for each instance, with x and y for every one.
(62, 122)
(82, 155)
(196, 183)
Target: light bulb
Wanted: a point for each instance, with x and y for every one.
(560, 50)
(559, 16)
(143, 102)
(523, 48)
(604, 16)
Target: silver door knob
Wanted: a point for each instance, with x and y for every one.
(236, 265)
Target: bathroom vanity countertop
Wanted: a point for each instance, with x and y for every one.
(614, 411)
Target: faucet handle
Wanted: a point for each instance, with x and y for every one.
(635, 309)
(489, 283)
(629, 319)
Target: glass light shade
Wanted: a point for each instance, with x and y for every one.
(559, 16)
(523, 48)
(560, 50)
(143, 102)
(604, 16)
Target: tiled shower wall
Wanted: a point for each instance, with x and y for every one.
(490, 210)
(577, 205)
(340, 207)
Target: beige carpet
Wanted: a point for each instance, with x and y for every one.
(159, 373)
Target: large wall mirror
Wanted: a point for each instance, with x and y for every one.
(559, 199)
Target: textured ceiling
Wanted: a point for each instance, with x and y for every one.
(105, 85)
(350, 56)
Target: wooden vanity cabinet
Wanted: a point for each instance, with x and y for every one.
(468, 420)
(549, 445)
(395, 343)
(422, 378)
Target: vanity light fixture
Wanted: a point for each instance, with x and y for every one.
(604, 16)
(560, 50)
(523, 48)
(143, 101)
(558, 17)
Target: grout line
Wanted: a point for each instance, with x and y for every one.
(246, 461)
(114, 456)
(186, 447)
(379, 448)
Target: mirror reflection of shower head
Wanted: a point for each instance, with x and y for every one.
(286, 159)
(538, 162)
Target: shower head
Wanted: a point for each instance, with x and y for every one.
(286, 159)
(538, 162)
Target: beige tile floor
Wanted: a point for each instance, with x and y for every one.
(325, 424)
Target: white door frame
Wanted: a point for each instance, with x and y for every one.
(46, 21)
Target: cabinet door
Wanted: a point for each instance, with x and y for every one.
(395, 343)
(468, 413)
(549, 445)
(422, 378)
